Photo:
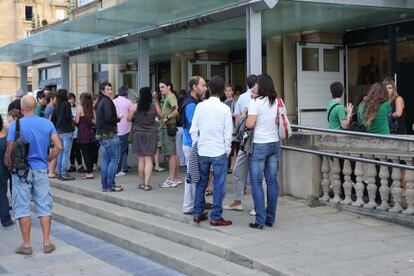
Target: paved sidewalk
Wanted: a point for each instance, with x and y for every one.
(76, 254)
(306, 241)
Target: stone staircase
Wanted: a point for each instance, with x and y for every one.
(164, 236)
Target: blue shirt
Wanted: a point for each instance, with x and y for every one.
(37, 132)
(189, 113)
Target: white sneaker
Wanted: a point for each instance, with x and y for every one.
(121, 173)
(175, 182)
(168, 184)
(253, 212)
(235, 207)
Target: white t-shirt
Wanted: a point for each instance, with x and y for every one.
(242, 102)
(265, 129)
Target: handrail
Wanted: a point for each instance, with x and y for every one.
(355, 133)
(352, 158)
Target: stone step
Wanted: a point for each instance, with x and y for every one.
(200, 237)
(177, 256)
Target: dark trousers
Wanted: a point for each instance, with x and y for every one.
(75, 154)
(4, 201)
(95, 155)
(88, 153)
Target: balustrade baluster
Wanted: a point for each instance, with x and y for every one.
(336, 180)
(396, 188)
(359, 186)
(347, 171)
(371, 173)
(325, 179)
(409, 191)
(384, 189)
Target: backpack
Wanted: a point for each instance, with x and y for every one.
(20, 155)
(181, 110)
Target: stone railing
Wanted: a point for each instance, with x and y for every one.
(345, 182)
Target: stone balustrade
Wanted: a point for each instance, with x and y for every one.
(344, 182)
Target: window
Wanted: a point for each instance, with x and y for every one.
(310, 59)
(84, 2)
(60, 14)
(331, 60)
(28, 13)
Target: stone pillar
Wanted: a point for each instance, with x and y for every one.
(396, 188)
(112, 76)
(289, 73)
(64, 67)
(176, 73)
(336, 180)
(347, 171)
(254, 41)
(359, 186)
(384, 189)
(184, 69)
(325, 179)
(371, 173)
(409, 192)
(143, 63)
(23, 78)
(274, 61)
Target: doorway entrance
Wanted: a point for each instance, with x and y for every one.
(207, 69)
(318, 65)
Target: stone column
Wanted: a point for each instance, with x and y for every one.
(336, 180)
(23, 78)
(254, 41)
(274, 61)
(359, 186)
(396, 188)
(176, 73)
(347, 171)
(409, 191)
(143, 63)
(371, 173)
(384, 189)
(64, 67)
(325, 179)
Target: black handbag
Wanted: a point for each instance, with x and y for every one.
(171, 130)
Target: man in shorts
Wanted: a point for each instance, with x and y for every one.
(167, 135)
(38, 132)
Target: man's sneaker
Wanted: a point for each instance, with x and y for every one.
(175, 182)
(49, 248)
(121, 173)
(168, 184)
(237, 207)
(72, 169)
(81, 169)
(253, 212)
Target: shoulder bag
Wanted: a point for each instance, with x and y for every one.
(285, 130)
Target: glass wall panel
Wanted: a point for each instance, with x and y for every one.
(405, 51)
(331, 60)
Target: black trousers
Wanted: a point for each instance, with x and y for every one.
(88, 153)
(4, 201)
(75, 154)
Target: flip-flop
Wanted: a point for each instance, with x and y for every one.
(160, 170)
(147, 188)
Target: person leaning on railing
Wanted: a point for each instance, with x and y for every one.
(373, 110)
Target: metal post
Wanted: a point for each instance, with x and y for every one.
(64, 70)
(23, 78)
(143, 63)
(254, 41)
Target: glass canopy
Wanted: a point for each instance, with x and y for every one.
(129, 17)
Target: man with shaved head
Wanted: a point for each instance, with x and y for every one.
(38, 132)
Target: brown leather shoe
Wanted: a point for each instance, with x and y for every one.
(198, 219)
(221, 222)
(208, 206)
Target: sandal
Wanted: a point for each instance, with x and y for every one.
(159, 169)
(52, 176)
(209, 192)
(117, 189)
(147, 188)
(141, 186)
(88, 177)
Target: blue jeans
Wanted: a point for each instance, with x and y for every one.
(63, 157)
(123, 163)
(4, 201)
(265, 159)
(111, 152)
(219, 185)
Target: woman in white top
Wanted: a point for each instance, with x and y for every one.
(262, 114)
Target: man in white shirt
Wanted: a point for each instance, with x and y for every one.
(212, 128)
(240, 167)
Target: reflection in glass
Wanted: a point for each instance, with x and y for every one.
(310, 59)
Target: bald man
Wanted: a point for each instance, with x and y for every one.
(38, 132)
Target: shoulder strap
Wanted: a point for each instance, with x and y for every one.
(329, 112)
(17, 133)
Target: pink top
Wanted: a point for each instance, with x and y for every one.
(122, 105)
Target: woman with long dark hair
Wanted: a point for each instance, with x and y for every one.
(62, 118)
(145, 132)
(85, 119)
(374, 109)
(262, 114)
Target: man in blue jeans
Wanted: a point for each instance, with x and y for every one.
(212, 128)
(38, 132)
